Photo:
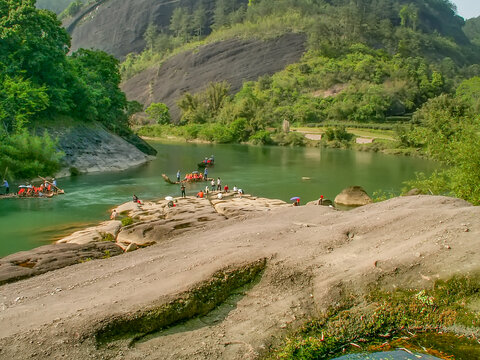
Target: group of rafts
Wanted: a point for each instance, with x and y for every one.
(46, 189)
(194, 176)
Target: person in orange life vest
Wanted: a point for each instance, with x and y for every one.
(200, 194)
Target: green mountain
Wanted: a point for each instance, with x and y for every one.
(363, 61)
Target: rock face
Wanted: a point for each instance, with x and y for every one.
(51, 257)
(91, 148)
(117, 26)
(234, 61)
(353, 196)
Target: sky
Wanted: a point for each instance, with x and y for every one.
(467, 8)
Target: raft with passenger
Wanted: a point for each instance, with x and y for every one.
(192, 177)
(207, 162)
(45, 190)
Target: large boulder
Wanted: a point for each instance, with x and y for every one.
(353, 196)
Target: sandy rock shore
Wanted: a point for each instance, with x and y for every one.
(310, 255)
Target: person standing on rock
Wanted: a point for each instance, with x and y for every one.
(178, 175)
(113, 215)
(182, 189)
(213, 184)
(219, 184)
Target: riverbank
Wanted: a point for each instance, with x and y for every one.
(298, 263)
(360, 139)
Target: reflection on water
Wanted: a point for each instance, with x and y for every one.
(390, 355)
(273, 172)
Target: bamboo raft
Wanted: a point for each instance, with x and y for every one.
(168, 180)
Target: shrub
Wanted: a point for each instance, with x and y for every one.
(159, 112)
(127, 221)
(261, 137)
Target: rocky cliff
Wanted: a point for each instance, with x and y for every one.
(91, 148)
(234, 61)
(117, 26)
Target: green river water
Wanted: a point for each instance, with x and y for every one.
(274, 172)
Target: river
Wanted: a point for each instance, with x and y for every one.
(274, 172)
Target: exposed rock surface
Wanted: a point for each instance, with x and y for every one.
(156, 221)
(51, 257)
(91, 148)
(353, 196)
(313, 254)
(118, 26)
(234, 61)
(95, 233)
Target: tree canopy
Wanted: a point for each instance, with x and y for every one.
(39, 81)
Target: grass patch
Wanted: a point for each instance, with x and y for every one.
(381, 318)
(127, 221)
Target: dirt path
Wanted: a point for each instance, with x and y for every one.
(314, 254)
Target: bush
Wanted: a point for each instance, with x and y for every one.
(261, 137)
(338, 133)
(127, 221)
(159, 112)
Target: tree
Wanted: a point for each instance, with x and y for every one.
(199, 20)
(159, 112)
(180, 22)
(409, 16)
(150, 35)
(20, 100)
(99, 73)
(469, 92)
(33, 44)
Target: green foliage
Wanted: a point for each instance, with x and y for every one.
(472, 30)
(33, 45)
(450, 133)
(292, 139)
(38, 81)
(56, 6)
(27, 156)
(159, 112)
(204, 106)
(127, 221)
(338, 133)
(20, 100)
(107, 237)
(99, 76)
(72, 9)
(133, 107)
(261, 137)
(384, 312)
(469, 92)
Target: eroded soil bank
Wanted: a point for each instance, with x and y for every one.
(310, 257)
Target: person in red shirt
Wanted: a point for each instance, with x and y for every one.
(225, 189)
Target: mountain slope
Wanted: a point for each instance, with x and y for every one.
(234, 61)
(118, 26)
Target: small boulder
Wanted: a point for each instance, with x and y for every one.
(353, 196)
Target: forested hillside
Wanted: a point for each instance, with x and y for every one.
(472, 30)
(39, 82)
